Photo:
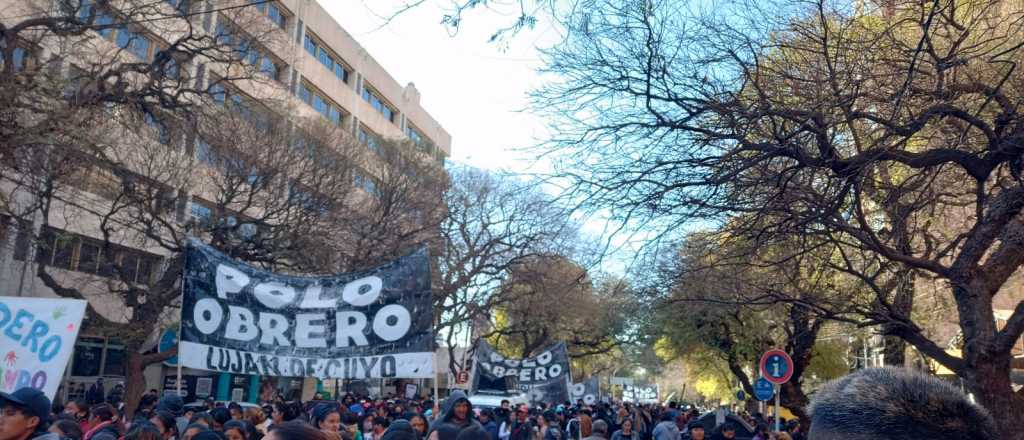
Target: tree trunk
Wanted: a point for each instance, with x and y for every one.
(794, 399)
(989, 380)
(894, 347)
(135, 381)
(986, 368)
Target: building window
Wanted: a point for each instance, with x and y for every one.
(371, 96)
(179, 5)
(331, 111)
(414, 135)
(310, 45)
(137, 44)
(249, 52)
(204, 153)
(273, 11)
(70, 251)
(200, 213)
(329, 60)
(371, 140)
(88, 357)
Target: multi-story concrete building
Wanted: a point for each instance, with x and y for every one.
(321, 70)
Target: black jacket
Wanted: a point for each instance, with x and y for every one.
(446, 427)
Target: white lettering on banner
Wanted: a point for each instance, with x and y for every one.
(395, 331)
(310, 330)
(524, 374)
(207, 314)
(545, 358)
(349, 326)
(230, 280)
(241, 324)
(274, 294)
(405, 365)
(312, 300)
(355, 294)
(272, 328)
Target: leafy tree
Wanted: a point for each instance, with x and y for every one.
(790, 115)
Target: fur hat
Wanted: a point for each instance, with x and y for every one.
(896, 404)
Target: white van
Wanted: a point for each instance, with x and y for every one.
(488, 400)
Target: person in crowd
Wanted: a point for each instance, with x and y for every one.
(326, 418)
(586, 424)
(350, 423)
(102, 425)
(420, 425)
(220, 416)
(258, 420)
(166, 423)
(473, 432)
(173, 404)
(193, 430)
(236, 430)
(25, 415)
(235, 411)
(79, 411)
(456, 415)
(794, 430)
(896, 403)
(549, 427)
(202, 418)
(487, 421)
(725, 432)
(367, 426)
(380, 424)
(781, 436)
(209, 435)
(400, 430)
(96, 393)
(598, 431)
(695, 430)
(761, 432)
(626, 432)
(294, 430)
(143, 430)
(67, 429)
(666, 429)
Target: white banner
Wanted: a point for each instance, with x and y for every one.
(37, 337)
(398, 365)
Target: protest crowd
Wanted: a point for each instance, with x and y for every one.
(841, 411)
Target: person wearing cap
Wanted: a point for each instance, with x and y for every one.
(173, 404)
(726, 432)
(24, 415)
(695, 430)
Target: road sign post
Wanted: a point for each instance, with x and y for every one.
(777, 368)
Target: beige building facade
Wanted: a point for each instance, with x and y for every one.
(321, 71)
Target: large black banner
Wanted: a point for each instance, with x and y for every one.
(240, 319)
(588, 390)
(544, 378)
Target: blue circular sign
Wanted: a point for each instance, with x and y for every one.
(168, 339)
(741, 396)
(763, 389)
(776, 366)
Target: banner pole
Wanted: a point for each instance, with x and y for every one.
(437, 395)
(184, 264)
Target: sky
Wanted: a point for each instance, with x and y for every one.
(475, 89)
